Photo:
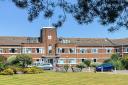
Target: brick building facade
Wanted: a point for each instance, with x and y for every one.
(48, 48)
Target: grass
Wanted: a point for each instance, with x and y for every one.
(54, 78)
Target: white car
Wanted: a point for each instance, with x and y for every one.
(47, 66)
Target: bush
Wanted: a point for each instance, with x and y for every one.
(7, 71)
(15, 69)
(1, 66)
(11, 60)
(87, 63)
(66, 67)
(95, 64)
(81, 66)
(24, 60)
(32, 70)
(125, 61)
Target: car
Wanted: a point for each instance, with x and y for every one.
(47, 66)
(104, 67)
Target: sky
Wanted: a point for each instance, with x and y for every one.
(13, 22)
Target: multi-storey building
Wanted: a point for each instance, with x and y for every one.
(49, 49)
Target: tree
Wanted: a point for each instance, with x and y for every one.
(87, 63)
(11, 60)
(116, 61)
(24, 60)
(125, 61)
(81, 66)
(2, 62)
(108, 12)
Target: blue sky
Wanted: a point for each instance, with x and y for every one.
(13, 22)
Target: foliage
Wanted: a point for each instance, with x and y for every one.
(1, 67)
(87, 63)
(2, 63)
(2, 59)
(81, 66)
(14, 68)
(125, 61)
(116, 61)
(32, 70)
(107, 12)
(11, 60)
(24, 60)
(7, 71)
(95, 64)
(66, 66)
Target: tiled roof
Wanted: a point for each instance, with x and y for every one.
(12, 40)
(96, 41)
(17, 40)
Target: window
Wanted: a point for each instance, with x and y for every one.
(1, 50)
(72, 50)
(27, 50)
(72, 61)
(49, 49)
(49, 37)
(61, 50)
(83, 60)
(82, 50)
(12, 50)
(39, 50)
(125, 49)
(94, 60)
(109, 50)
(61, 61)
(94, 50)
(117, 50)
(65, 41)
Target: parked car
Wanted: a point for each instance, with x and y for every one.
(104, 67)
(47, 66)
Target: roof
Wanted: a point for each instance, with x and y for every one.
(96, 41)
(10, 40)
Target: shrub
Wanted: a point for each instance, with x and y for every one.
(125, 61)
(24, 60)
(81, 66)
(1, 66)
(66, 66)
(87, 63)
(7, 71)
(15, 69)
(11, 60)
(32, 70)
(95, 64)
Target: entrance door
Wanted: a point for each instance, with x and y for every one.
(50, 61)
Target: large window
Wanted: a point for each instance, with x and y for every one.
(39, 50)
(49, 49)
(94, 50)
(27, 50)
(61, 61)
(72, 61)
(60, 50)
(83, 50)
(12, 50)
(72, 50)
(125, 49)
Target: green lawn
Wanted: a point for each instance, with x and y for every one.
(53, 78)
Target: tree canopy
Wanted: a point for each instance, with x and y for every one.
(106, 12)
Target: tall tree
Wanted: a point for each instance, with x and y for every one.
(108, 12)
